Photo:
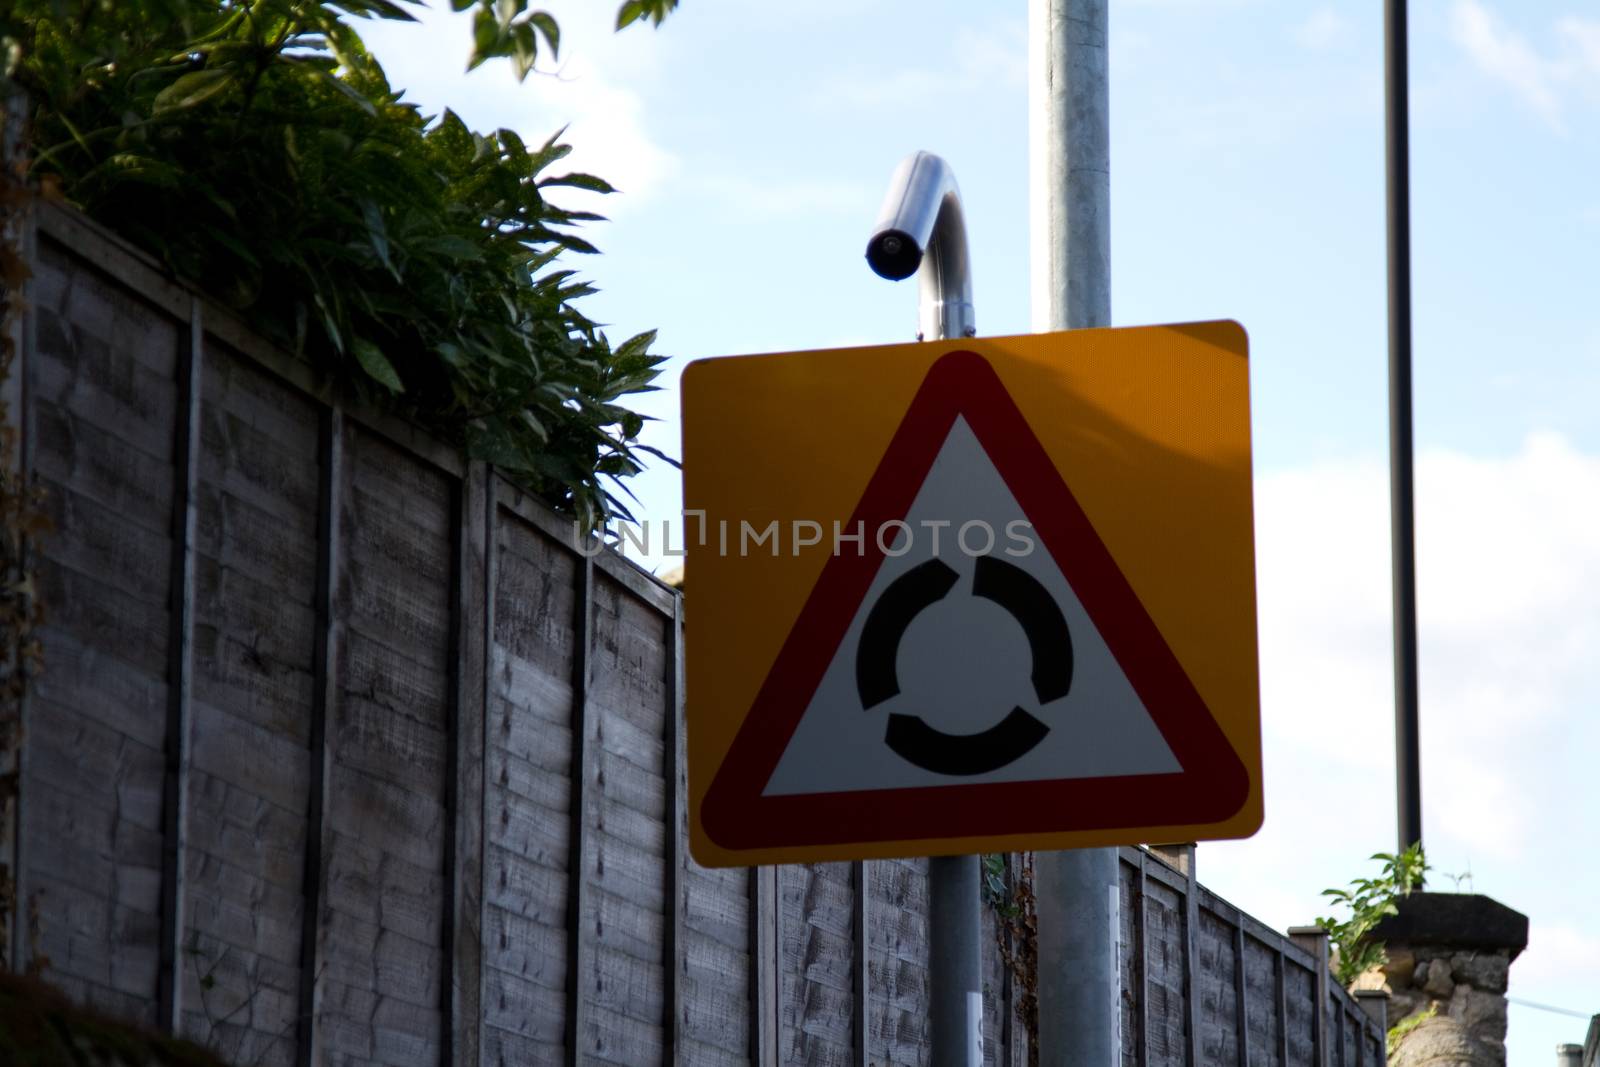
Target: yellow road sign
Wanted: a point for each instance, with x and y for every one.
(971, 595)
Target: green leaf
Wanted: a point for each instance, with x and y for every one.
(628, 12)
(454, 247)
(376, 364)
(580, 181)
(547, 26)
(524, 49)
(191, 89)
(485, 37)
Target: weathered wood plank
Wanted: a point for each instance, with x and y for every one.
(1264, 1024)
(530, 847)
(99, 305)
(523, 1021)
(626, 850)
(897, 895)
(561, 530)
(1165, 1009)
(1216, 990)
(717, 908)
(1301, 1015)
(533, 949)
(63, 231)
(91, 458)
(716, 1010)
(816, 1002)
(1131, 956)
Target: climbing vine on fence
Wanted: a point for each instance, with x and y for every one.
(1006, 884)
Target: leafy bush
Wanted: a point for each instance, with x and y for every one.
(1368, 900)
(257, 148)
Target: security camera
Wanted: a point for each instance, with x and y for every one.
(894, 254)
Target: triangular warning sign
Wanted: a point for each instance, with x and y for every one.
(974, 665)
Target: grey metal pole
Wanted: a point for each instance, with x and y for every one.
(1070, 205)
(921, 231)
(1407, 759)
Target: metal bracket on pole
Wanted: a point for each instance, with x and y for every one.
(921, 231)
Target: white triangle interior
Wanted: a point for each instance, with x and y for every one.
(964, 662)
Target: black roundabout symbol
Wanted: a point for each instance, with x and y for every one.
(1019, 593)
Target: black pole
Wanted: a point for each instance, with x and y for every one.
(1408, 773)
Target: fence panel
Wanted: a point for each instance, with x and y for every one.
(351, 752)
(102, 386)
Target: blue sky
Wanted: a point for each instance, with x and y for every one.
(753, 143)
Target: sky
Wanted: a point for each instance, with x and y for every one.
(753, 144)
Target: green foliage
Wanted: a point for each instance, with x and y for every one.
(39, 1027)
(654, 10)
(1368, 900)
(257, 148)
(994, 887)
(506, 28)
(1398, 1032)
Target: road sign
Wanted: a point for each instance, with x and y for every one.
(973, 595)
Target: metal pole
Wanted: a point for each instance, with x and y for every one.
(1407, 759)
(1070, 203)
(921, 231)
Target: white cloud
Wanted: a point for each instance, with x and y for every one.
(1509, 617)
(763, 199)
(1558, 954)
(607, 132)
(605, 113)
(1544, 82)
(1323, 28)
(1507, 57)
(994, 55)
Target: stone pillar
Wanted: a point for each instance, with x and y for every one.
(1449, 954)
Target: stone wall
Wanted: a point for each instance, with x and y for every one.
(1449, 957)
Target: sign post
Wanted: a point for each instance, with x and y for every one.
(970, 595)
(921, 230)
(1069, 150)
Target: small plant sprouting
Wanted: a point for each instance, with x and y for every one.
(1368, 901)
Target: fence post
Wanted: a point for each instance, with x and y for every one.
(1375, 1003)
(15, 318)
(676, 801)
(463, 999)
(578, 948)
(324, 694)
(763, 966)
(858, 962)
(1314, 939)
(180, 672)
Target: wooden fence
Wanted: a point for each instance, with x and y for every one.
(349, 752)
